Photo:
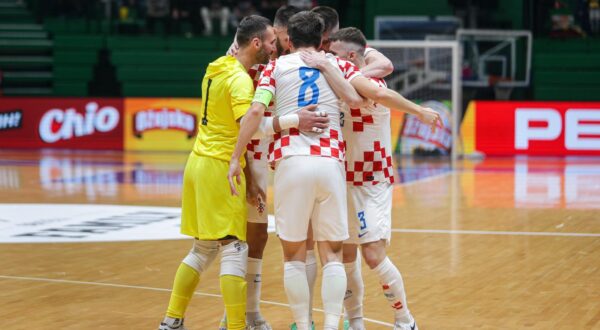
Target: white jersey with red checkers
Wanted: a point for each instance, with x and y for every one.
(367, 134)
(257, 148)
(295, 85)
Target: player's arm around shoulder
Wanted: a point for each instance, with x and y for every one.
(337, 80)
(393, 100)
(378, 65)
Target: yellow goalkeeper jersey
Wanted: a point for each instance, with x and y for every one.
(227, 92)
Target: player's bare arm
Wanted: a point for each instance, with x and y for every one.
(254, 194)
(308, 119)
(378, 65)
(248, 126)
(340, 86)
(393, 100)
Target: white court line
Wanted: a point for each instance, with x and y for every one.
(113, 285)
(488, 232)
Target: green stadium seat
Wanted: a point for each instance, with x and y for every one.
(40, 77)
(573, 78)
(199, 59)
(15, 46)
(78, 42)
(123, 43)
(205, 44)
(77, 88)
(88, 57)
(66, 26)
(26, 91)
(70, 72)
(20, 35)
(161, 89)
(21, 27)
(25, 62)
(568, 61)
(163, 73)
(544, 45)
(566, 93)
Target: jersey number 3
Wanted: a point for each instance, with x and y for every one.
(309, 78)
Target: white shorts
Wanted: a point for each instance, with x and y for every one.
(260, 174)
(370, 213)
(310, 188)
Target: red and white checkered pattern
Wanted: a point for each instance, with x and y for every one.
(376, 166)
(368, 144)
(282, 78)
(257, 149)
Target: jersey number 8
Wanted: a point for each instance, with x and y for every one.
(309, 77)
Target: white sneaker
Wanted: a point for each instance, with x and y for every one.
(259, 325)
(223, 324)
(412, 325)
(171, 324)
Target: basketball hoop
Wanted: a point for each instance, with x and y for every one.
(501, 91)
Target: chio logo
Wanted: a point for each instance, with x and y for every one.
(58, 124)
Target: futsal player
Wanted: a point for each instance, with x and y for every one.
(309, 174)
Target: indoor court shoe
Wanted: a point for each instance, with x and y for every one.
(412, 325)
(259, 325)
(171, 324)
(294, 327)
(223, 324)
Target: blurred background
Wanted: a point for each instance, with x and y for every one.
(126, 74)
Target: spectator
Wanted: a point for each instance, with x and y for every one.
(184, 10)
(211, 9)
(594, 15)
(157, 11)
(302, 4)
(244, 8)
(268, 8)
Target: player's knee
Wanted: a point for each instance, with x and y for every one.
(202, 255)
(373, 256)
(350, 253)
(234, 258)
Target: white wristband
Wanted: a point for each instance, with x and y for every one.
(289, 121)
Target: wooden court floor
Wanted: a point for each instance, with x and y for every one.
(507, 243)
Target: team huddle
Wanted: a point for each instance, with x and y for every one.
(308, 100)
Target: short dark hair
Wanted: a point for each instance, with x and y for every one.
(351, 35)
(306, 29)
(251, 27)
(283, 15)
(329, 15)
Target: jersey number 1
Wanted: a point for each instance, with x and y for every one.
(309, 77)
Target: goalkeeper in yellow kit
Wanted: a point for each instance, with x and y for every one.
(210, 214)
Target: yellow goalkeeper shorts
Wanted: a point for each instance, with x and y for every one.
(208, 209)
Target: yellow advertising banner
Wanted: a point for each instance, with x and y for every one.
(161, 124)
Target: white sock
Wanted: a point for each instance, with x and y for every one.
(393, 288)
(332, 293)
(253, 278)
(311, 275)
(354, 295)
(296, 289)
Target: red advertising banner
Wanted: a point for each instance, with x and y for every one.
(77, 123)
(533, 128)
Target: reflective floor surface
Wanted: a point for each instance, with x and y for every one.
(484, 244)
